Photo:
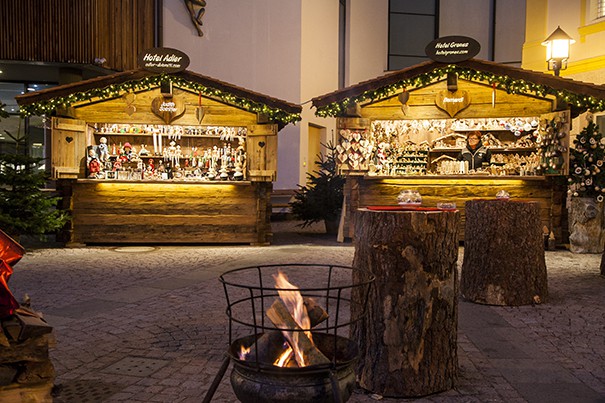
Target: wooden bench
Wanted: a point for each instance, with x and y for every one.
(280, 200)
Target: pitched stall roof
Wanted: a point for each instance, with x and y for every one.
(114, 85)
(581, 96)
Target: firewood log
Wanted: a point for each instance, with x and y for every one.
(281, 318)
(270, 344)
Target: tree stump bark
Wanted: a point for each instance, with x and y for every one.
(586, 225)
(407, 339)
(503, 253)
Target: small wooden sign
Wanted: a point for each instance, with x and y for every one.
(168, 109)
(163, 60)
(452, 102)
(452, 49)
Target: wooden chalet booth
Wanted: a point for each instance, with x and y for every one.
(404, 130)
(142, 157)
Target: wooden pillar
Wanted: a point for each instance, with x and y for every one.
(503, 253)
(349, 128)
(407, 340)
(351, 191)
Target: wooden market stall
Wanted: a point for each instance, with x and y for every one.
(142, 157)
(404, 131)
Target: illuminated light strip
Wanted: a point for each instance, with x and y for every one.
(510, 85)
(116, 90)
(154, 186)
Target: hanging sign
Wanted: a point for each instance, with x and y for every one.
(452, 102)
(163, 60)
(168, 109)
(452, 49)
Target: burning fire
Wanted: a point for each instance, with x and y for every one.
(285, 357)
(289, 313)
(293, 300)
(244, 351)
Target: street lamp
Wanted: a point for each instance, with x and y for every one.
(557, 50)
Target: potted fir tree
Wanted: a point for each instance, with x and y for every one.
(321, 198)
(587, 190)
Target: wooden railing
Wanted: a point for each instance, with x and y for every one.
(78, 31)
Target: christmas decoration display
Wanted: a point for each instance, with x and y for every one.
(117, 90)
(552, 137)
(509, 84)
(587, 174)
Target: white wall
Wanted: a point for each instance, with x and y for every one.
(509, 31)
(472, 18)
(319, 70)
(367, 40)
(252, 44)
(467, 18)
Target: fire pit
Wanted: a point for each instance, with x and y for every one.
(291, 320)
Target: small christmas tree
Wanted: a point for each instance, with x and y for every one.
(25, 208)
(587, 159)
(321, 198)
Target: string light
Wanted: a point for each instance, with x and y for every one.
(506, 83)
(46, 107)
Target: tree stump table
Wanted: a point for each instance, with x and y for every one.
(407, 339)
(503, 253)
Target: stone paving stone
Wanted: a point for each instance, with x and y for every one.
(168, 303)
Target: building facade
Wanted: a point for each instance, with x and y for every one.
(297, 49)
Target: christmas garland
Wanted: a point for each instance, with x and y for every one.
(503, 82)
(115, 90)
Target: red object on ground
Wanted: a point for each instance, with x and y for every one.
(10, 253)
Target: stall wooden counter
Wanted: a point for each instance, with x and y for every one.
(366, 190)
(168, 212)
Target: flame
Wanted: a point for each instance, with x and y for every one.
(285, 357)
(244, 351)
(293, 300)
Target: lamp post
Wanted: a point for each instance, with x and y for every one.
(557, 50)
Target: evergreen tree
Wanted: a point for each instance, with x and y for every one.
(587, 157)
(321, 198)
(25, 208)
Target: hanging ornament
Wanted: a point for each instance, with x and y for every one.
(493, 95)
(199, 110)
(404, 97)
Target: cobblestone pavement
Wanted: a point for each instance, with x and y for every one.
(148, 324)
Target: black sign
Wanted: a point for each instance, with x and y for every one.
(452, 49)
(163, 60)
